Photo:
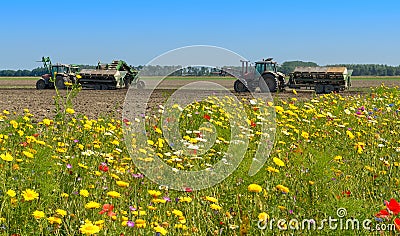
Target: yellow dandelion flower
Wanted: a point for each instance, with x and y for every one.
(11, 193)
(122, 184)
(92, 205)
(114, 194)
(278, 161)
(254, 188)
(215, 207)
(30, 195)
(211, 199)
(84, 193)
(53, 220)
(88, 228)
(70, 111)
(282, 188)
(38, 214)
(61, 212)
(6, 157)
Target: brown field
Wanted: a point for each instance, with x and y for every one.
(15, 95)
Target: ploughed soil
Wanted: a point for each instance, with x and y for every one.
(15, 95)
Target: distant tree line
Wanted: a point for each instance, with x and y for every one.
(35, 72)
(286, 67)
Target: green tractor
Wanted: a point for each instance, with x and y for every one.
(57, 75)
(264, 75)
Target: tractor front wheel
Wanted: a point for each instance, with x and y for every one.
(239, 87)
(40, 84)
(60, 82)
(140, 84)
(268, 83)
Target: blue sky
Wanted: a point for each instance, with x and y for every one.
(84, 32)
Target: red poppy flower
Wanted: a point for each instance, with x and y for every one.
(253, 124)
(393, 206)
(188, 189)
(397, 223)
(108, 208)
(383, 214)
(347, 193)
(103, 168)
(207, 117)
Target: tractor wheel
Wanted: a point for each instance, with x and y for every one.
(140, 84)
(329, 88)
(41, 84)
(60, 82)
(239, 86)
(268, 83)
(319, 88)
(127, 83)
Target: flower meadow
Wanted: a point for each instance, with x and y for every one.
(71, 175)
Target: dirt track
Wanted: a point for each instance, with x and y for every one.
(96, 103)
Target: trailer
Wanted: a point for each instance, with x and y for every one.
(320, 79)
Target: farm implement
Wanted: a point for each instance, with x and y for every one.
(118, 74)
(264, 75)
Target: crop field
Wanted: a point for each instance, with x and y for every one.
(333, 169)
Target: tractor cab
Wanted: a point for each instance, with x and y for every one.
(266, 66)
(60, 69)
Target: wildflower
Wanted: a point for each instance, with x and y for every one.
(160, 230)
(305, 134)
(114, 194)
(140, 223)
(103, 167)
(154, 193)
(282, 188)
(393, 206)
(211, 199)
(263, 217)
(11, 193)
(70, 111)
(53, 220)
(61, 212)
(30, 195)
(177, 212)
(89, 229)
(27, 154)
(108, 208)
(122, 184)
(65, 195)
(38, 214)
(6, 157)
(130, 223)
(92, 205)
(397, 223)
(215, 207)
(278, 161)
(350, 134)
(254, 188)
(272, 169)
(84, 193)
(185, 199)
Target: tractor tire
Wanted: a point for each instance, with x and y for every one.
(319, 88)
(239, 87)
(268, 83)
(60, 83)
(41, 84)
(140, 84)
(329, 88)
